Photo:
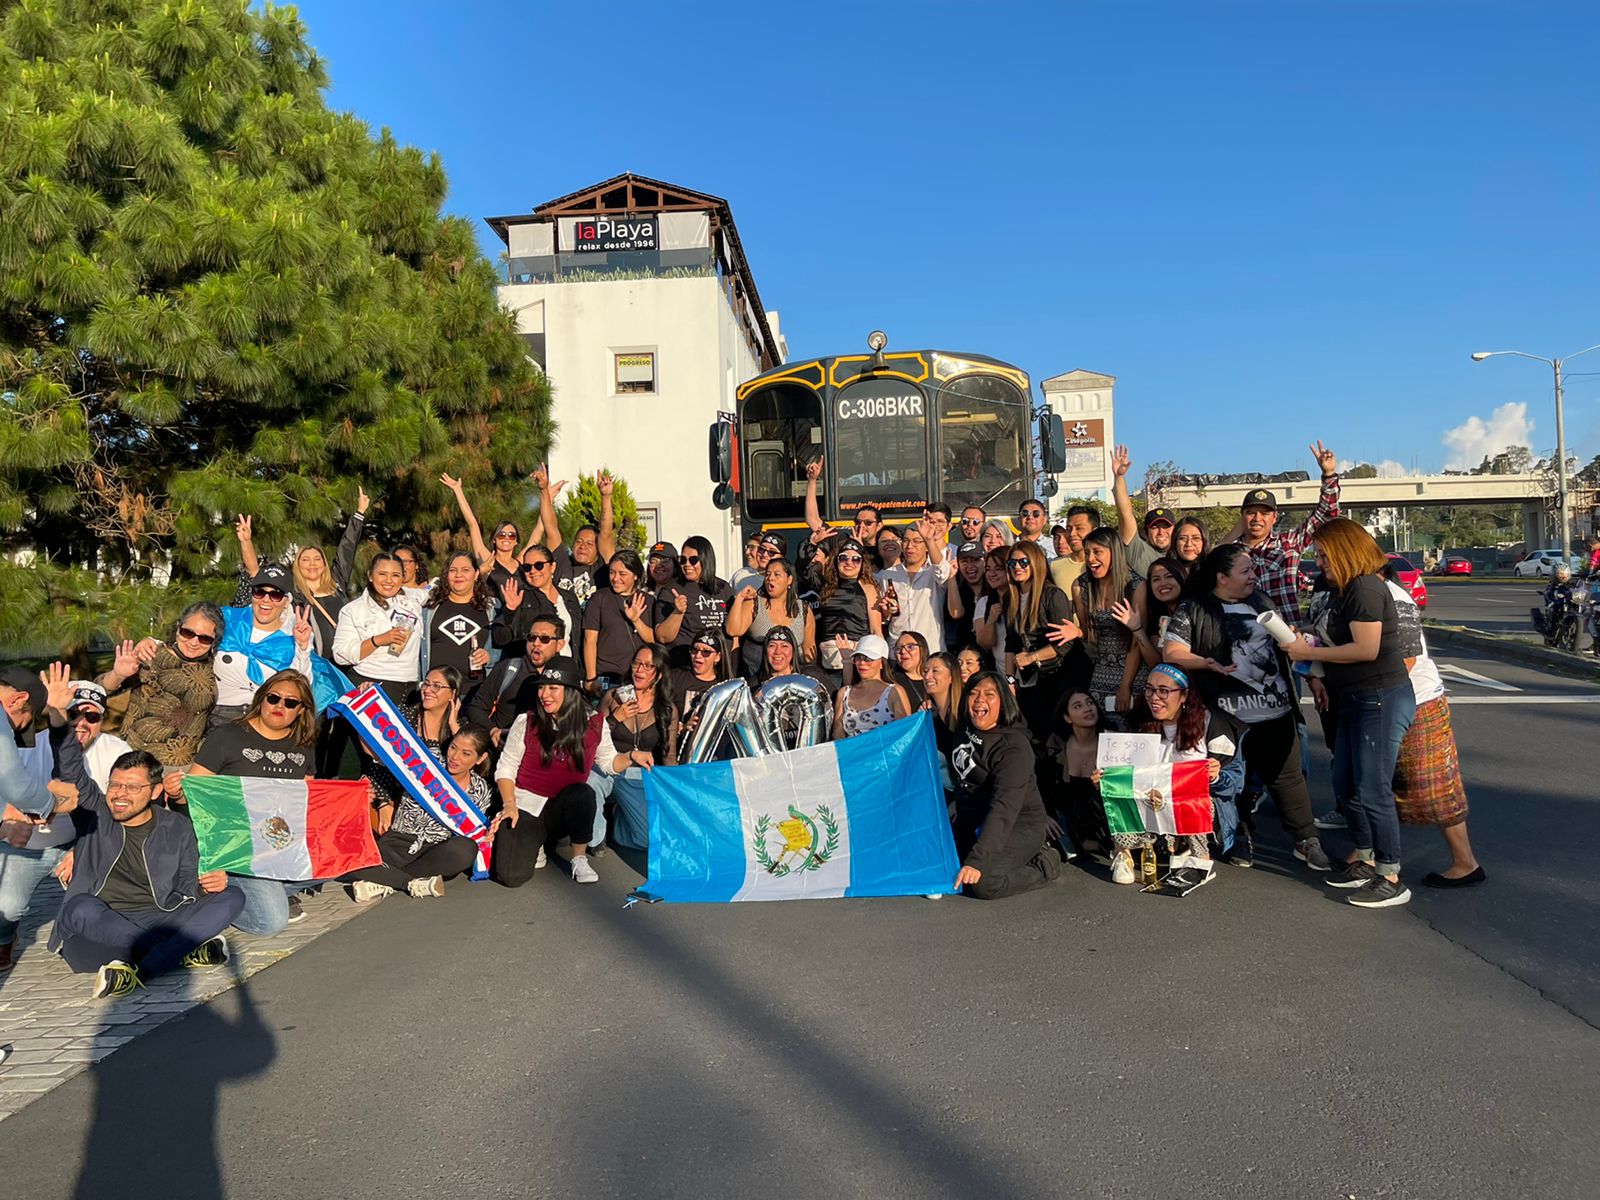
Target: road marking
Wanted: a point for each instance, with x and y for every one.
(1467, 676)
(1486, 600)
(1458, 700)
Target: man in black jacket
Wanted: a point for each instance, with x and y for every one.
(135, 906)
(509, 688)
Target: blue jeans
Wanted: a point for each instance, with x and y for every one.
(266, 903)
(94, 933)
(1372, 724)
(20, 873)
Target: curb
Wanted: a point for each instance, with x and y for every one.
(1579, 666)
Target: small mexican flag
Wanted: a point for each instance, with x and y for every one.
(281, 828)
(1166, 798)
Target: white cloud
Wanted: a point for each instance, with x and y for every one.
(1389, 469)
(1474, 438)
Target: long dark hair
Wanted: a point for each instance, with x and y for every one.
(641, 580)
(441, 586)
(563, 732)
(1091, 595)
(1205, 537)
(950, 711)
(1191, 719)
(1201, 583)
(661, 710)
(830, 572)
(723, 669)
(1010, 713)
(1178, 570)
(791, 594)
(389, 556)
(304, 729)
(710, 582)
(1060, 718)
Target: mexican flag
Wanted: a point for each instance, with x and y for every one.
(1165, 798)
(281, 828)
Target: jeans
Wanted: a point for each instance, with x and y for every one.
(1372, 724)
(20, 873)
(152, 940)
(266, 903)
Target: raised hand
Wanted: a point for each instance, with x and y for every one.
(241, 527)
(680, 602)
(511, 593)
(814, 469)
(455, 713)
(747, 592)
(57, 680)
(1326, 459)
(555, 488)
(634, 608)
(1127, 614)
(363, 501)
(1062, 633)
(451, 482)
(540, 477)
(1120, 461)
(126, 662)
(302, 626)
(605, 483)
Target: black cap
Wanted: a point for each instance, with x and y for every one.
(775, 541)
(1259, 498)
(782, 633)
(273, 575)
(26, 681)
(1160, 514)
(559, 670)
(970, 550)
(662, 550)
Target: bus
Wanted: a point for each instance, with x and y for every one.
(896, 431)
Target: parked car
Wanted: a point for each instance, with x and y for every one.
(1541, 564)
(1456, 566)
(1410, 578)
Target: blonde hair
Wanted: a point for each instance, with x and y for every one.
(1024, 616)
(1350, 551)
(304, 588)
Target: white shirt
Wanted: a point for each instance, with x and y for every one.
(1426, 682)
(1046, 544)
(515, 746)
(363, 618)
(921, 597)
(234, 685)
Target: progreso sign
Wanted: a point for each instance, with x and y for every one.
(878, 398)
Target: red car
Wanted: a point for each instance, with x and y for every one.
(1456, 566)
(1411, 579)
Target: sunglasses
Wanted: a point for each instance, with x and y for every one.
(1033, 512)
(267, 593)
(505, 533)
(544, 639)
(701, 652)
(1014, 563)
(536, 566)
(205, 639)
(93, 718)
(972, 520)
(689, 560)
(849, 558)
(290, 703)
(867, 521)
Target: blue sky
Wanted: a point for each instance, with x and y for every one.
(1271, 221)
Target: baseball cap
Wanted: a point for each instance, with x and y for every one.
(970, 550)
(26, 681)
(1058, 527)
(871, 646)
(663, 550)
(87, 694)
(1160, 514)
(1260, 498)
(273, 575)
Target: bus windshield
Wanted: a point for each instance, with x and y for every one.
(880, 451)
(983, 441)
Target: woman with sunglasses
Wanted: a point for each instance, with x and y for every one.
(708, 666)
(419, 853)
(756, 611)
(323, 588)
(435, 715)
(535, 594)
(910, 651)
(696, 604)
(1033, 605)
(272, 634)
(172, 688)
(872, 700)
(456, 620)
(380, 634)
(499, 561)
(846, 607)
(616, 623)
(274, 739)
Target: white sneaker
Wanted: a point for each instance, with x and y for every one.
(428, 885)
(365, 891)
(1122, 867)
(541, 861)
(582, 872)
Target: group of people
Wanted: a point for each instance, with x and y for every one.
(542, 672)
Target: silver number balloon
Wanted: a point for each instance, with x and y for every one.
(794, 711)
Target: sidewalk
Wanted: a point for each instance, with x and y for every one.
(55, 1030)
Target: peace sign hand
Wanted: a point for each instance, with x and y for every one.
(302, 626)
(1326, 459)
(241, 528)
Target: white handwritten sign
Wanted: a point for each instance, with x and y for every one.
(1128, 750)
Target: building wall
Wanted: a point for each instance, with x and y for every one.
(655, 441)
(1088, 467)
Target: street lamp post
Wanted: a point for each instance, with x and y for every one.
(1563, 517)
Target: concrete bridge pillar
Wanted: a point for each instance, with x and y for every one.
(1533, 526)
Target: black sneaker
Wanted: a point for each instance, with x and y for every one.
(1242, 852)
(1352, 875)
(1187, 879)
(212, 953)
(1379, 892)
(297, 910)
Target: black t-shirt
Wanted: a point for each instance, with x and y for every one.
(456, 631)
(583, 582)
(1258, 688)
(1054, 606)
(127, 887)
(237, 749)
(618, 639)
(707, 611)
(687, 690)
(959, 633)
(1366, 598)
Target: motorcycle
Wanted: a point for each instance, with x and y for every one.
(1572, 622)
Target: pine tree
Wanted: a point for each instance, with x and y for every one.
(219, 296)
(582, 507)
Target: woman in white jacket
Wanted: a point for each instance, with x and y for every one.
(379, 636)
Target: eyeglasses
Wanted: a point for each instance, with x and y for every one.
(1162, 693)
(205, 639)
(93, 718)
(429, 685)
(689, 560)
(287, 702)
(544, 639)
(905, 649)
(1014, 563)
(849, 558)
(267, 593)
(113, 789)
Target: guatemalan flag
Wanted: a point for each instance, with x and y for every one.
(864, 816)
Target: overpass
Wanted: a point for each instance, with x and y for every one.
(1534, 493)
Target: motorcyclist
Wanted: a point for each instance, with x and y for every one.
(1557, 602)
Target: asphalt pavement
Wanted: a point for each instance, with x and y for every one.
(1259, 1038)
(1490, 605)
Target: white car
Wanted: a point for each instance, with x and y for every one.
(1541, 563)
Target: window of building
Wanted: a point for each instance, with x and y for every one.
(635, 371)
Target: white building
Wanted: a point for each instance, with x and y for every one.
(1082, 399)
(634, 296)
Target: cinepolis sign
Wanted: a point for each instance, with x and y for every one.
(614, 233)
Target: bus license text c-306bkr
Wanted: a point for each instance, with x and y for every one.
(880, 406)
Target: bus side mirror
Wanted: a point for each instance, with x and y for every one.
(720, 445)
(722, 496)
(1052, 444)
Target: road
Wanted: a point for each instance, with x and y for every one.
(1258, 1039)
(1492, 606)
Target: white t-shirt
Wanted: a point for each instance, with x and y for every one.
(363, 618)
(234, 685)
(1426, 683)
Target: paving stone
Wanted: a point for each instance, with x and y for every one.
(39, 1070)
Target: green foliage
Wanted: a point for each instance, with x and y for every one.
(582, 507)
(1218, 520)
(219, 296)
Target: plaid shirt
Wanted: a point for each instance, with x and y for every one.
(1277, 558)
